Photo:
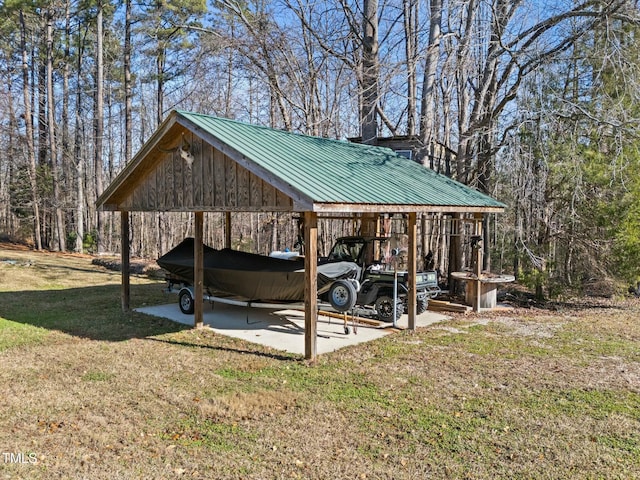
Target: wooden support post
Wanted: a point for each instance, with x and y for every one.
(227, 229)
(424, 240)
(310, 285)
(198, 271)
(125, 261)
(370, 225)
(412, 231)
(478, 262)
(455, 251)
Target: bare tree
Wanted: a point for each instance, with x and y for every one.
(28, 120)
(370, 72)
(128, 96)
(98, 125)
(60, 233)
(427, 101)
(65, 122)
(410, 14)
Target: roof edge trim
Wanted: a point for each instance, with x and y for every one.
(399, 208)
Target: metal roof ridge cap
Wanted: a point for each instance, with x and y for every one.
(360, 146)
(329, 207)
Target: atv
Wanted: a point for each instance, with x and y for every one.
(376, 257)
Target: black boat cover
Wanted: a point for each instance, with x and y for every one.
(251, 276)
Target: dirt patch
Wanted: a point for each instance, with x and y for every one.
(237, 406)
(18, 253)
(522, 327)
(137, 266)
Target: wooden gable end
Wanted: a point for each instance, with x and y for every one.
(211, 182)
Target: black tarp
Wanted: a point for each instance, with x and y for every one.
(251, 276)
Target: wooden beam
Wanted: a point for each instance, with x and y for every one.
(125, 261)
(412, 232)
(198, 271)
(130, 207)
(227, 229)
(455, 252)
(310, 285)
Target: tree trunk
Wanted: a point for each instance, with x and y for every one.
(370, 73)
(77, 152)
(410, 16)
(110, 171)
(99, 123)
(41, 97)
(12, 153)
(28, 120)
(160, 62)
(229, 71)
(516, 239)
(128, 95)
(274, 232)
(428, 99)
(60, 235)
(67, 157)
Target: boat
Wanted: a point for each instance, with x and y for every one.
(251, 276)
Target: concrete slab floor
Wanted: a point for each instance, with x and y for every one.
(282, 329)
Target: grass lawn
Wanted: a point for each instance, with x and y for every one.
(90, 392)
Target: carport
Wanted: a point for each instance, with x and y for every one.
(201, 163)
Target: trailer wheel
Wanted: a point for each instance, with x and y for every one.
(185, 300)
(384, 308)
(342, 295)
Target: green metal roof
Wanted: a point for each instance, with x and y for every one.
(327, 171)
(317, 174)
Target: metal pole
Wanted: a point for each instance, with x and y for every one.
(394, 255)
(395, 294)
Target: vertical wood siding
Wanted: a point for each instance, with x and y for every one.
(213, 182)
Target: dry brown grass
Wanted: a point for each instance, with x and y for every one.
(94, 393)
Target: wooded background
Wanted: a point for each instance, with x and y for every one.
(536, 102)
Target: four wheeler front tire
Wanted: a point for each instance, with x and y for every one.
(384, 308)
(421, 305)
